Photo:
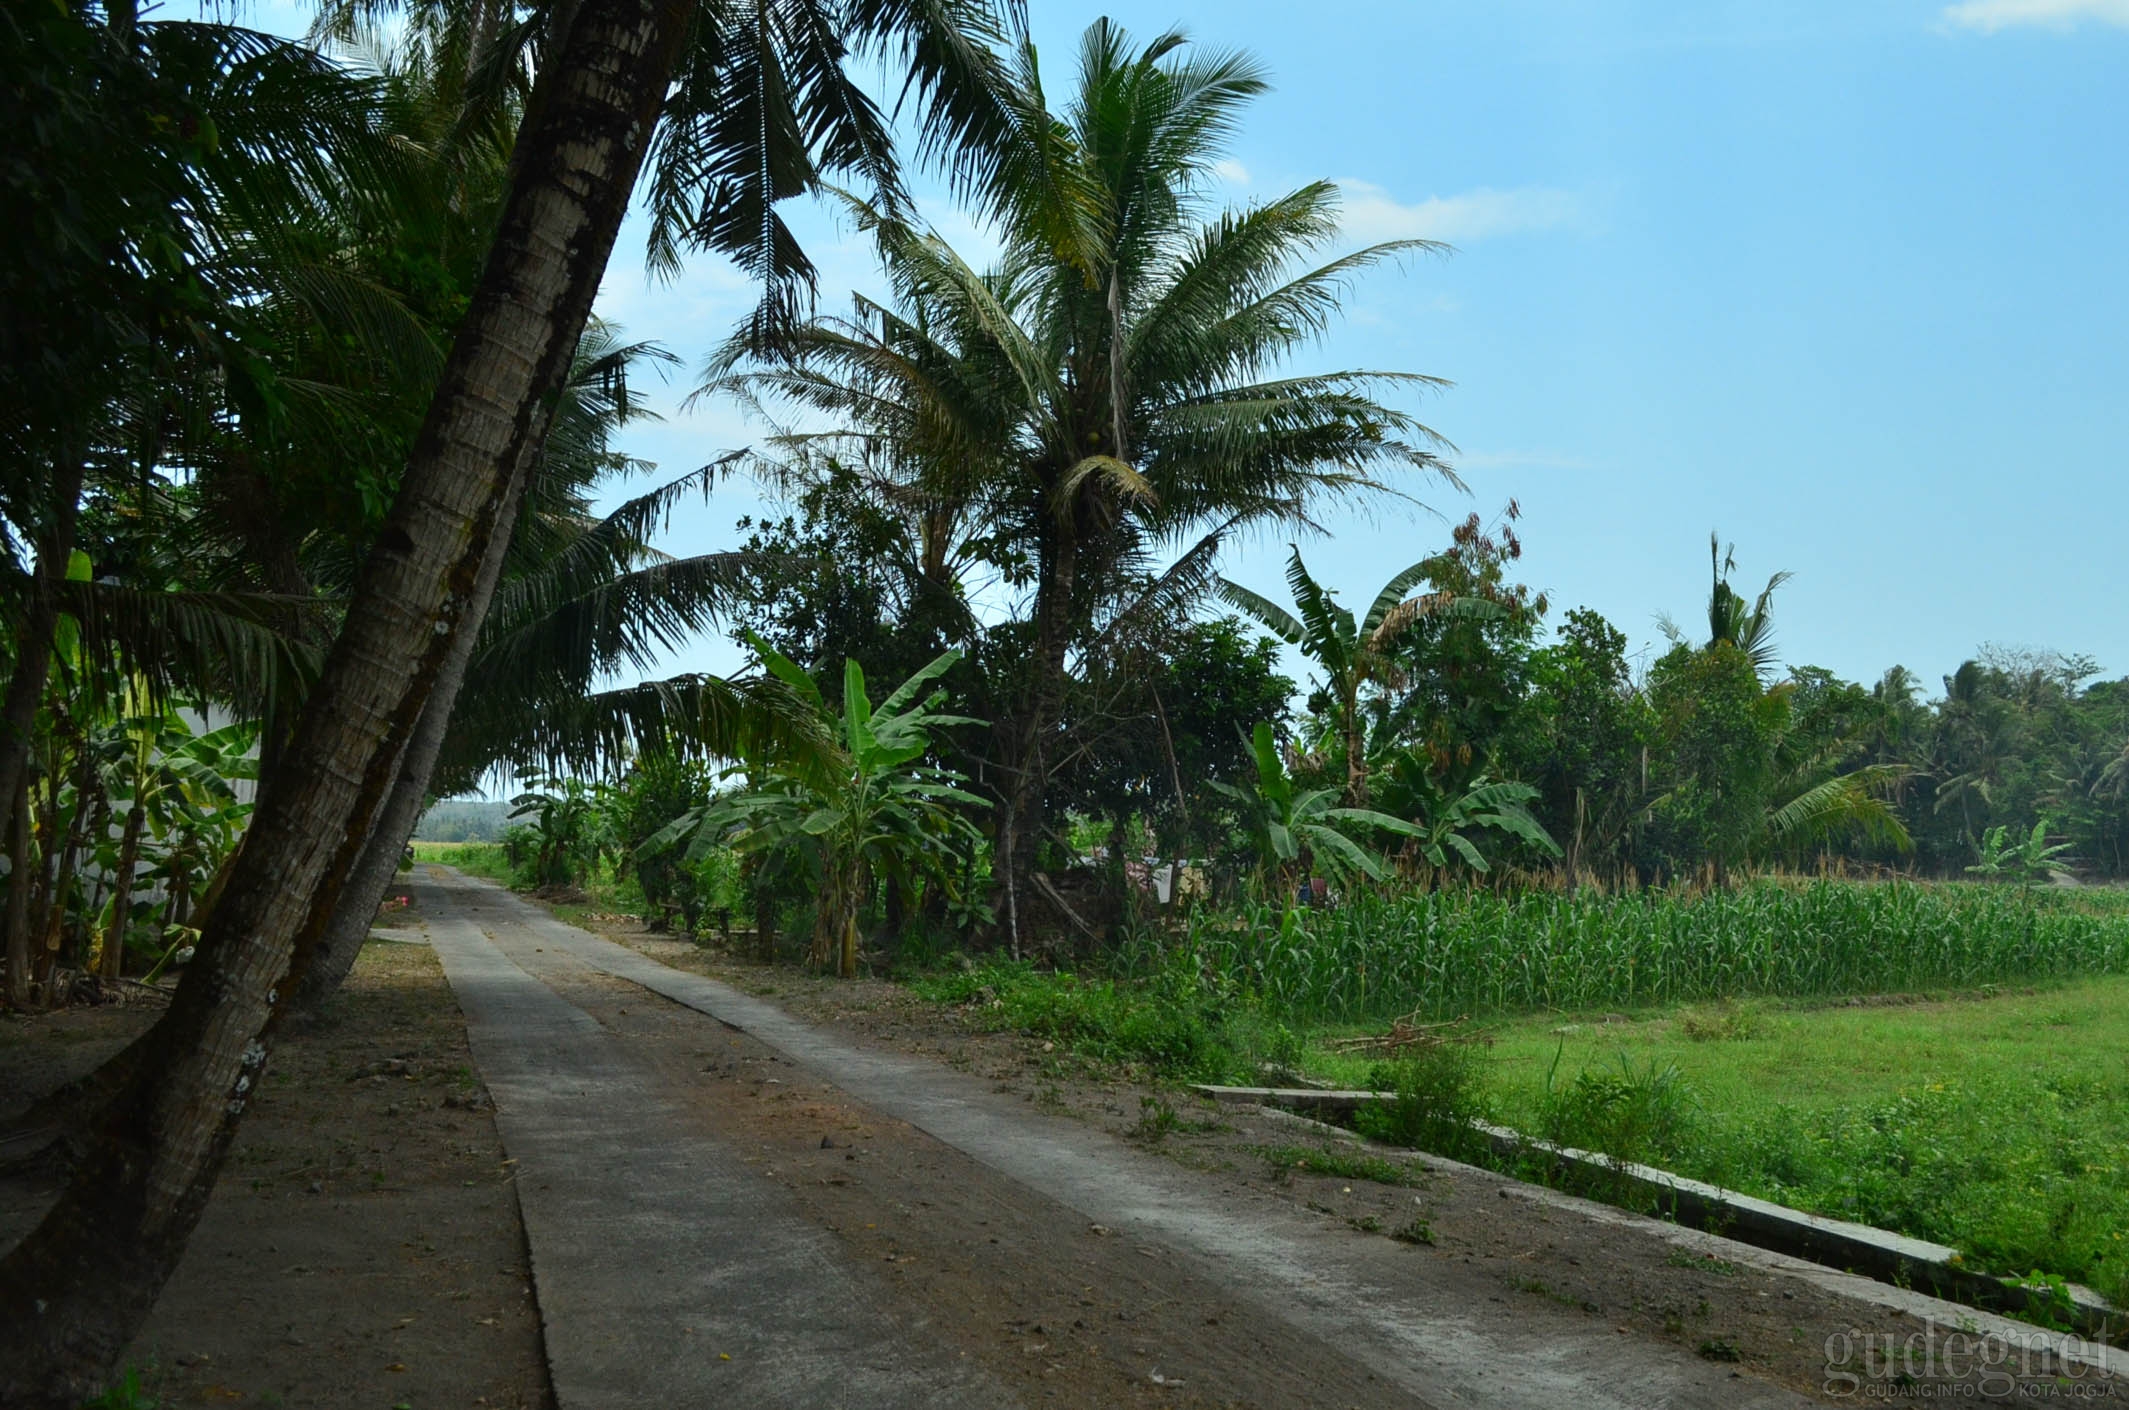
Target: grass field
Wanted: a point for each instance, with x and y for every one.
(482, 859)
(1995, 1122)
(1951, 1062)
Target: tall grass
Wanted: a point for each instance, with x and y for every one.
(1456, 952)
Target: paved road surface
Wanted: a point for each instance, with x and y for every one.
(659, 1251)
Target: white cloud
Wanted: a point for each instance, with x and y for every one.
(1372, 214)
(1231, 171)
(1988, 16)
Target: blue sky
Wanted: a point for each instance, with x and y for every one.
(1844, 282)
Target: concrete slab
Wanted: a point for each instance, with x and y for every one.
(1427, 1339)
(667, 1273)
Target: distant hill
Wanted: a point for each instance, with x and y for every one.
(463, 820)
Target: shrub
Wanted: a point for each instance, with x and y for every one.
(1438, 1098)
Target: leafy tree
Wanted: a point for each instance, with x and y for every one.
(1717, 730)
(1583, 740)
(1151, 730)
(1458, 673)
(857, 572)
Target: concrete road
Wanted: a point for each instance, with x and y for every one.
(659, 1251)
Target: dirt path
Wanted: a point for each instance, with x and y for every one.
(1063, 1263)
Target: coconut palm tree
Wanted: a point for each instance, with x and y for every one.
(1352, 655)
(1108, 392)
(1748, 627)
(745, 103)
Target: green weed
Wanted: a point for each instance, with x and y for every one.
(1414, 1231)
(1340, 1164)
(124, 1394)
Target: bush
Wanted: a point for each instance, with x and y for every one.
(1438, 1098)
(1643, 1116)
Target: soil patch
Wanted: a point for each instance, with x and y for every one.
(363, 1248)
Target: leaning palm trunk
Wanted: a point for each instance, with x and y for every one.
(334, 954)
(349, 925)
(18, 903)
(74, 1292)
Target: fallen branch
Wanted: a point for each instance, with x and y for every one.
(1042, 884)
(1406, 1033)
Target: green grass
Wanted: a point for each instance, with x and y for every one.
(482, 859)
(1339, 1164)
(1167, 1025)
(1474, 952)
(1995, 1122)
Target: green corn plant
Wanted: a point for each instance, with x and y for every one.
(1462, 951)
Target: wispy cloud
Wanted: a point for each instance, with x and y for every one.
(1231, 171)
(1372, 214)
(1988, 16)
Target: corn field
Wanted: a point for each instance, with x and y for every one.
(1456, 952)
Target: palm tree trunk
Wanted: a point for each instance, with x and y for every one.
(764, 919)
(1020, 830)
(114, 939)
(18, 902)
(74, 1292)
(334, 954)
(1356, 752)
(75, 840)
(33, 661)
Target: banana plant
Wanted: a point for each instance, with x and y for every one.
(570, 830)
(1445, 828)
(1352, 654)
(1294, 830)
(875, 809)
(182, 814)
(2027, 858)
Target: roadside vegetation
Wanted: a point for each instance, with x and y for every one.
(297, 542)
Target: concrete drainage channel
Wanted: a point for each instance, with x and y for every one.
(1857, 1248)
